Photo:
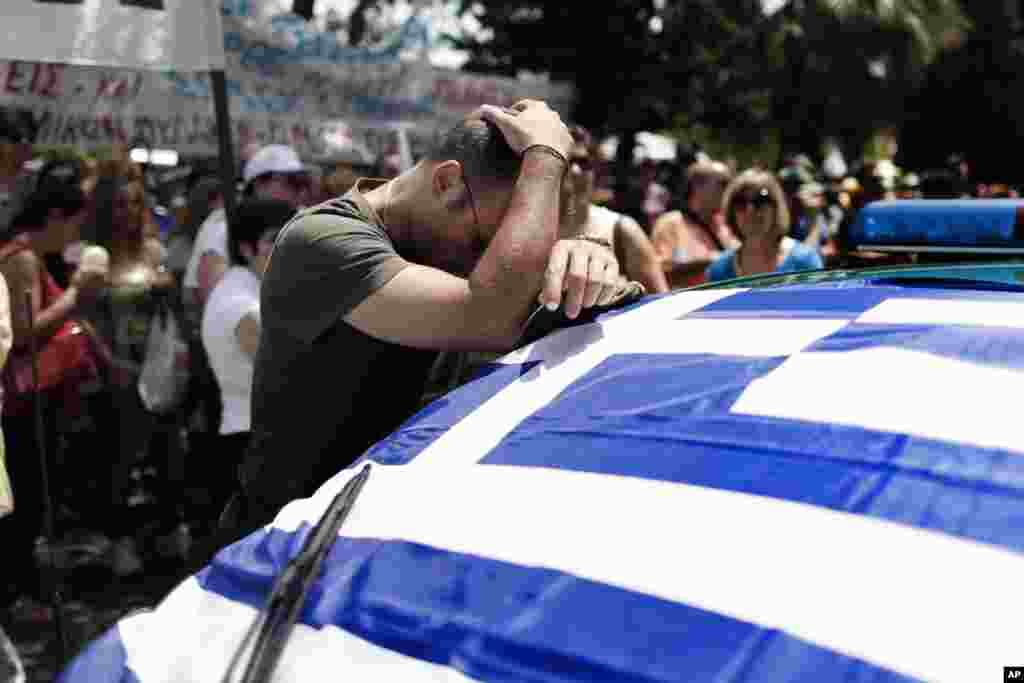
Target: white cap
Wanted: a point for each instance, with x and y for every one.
(273, 159)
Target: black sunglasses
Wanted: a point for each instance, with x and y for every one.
(481, 243)
(759, 199)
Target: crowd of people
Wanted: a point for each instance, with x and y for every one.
(313, 319)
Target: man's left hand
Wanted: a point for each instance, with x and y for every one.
(580, 274)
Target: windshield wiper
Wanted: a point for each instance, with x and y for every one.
(275, 622)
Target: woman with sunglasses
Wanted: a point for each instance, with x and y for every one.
(756, 207)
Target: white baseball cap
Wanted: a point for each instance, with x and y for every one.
(273, 159)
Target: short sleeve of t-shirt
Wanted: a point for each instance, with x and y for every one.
(324, 264)
(235, 297)
(212, 236)
(235, 307)
(803, 257)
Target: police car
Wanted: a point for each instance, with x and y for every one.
(810, 477)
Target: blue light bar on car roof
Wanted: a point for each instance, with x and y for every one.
(980, 226)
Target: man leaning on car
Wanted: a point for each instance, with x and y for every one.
(364, 290)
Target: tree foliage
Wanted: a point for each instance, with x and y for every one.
(356, 27)
(848, 66)
(940, 71)
(636, 64)
(969, 100)
(813, 69)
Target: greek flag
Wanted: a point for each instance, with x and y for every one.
(812, 483)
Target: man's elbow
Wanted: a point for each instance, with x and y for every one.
(504, 341)
(493, 335)
(489, 325)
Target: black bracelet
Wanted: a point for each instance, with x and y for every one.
(604, 242)
(550, 150)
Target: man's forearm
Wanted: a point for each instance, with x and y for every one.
(511, 271)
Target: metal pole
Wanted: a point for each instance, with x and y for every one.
(227, 148)
(49, 569)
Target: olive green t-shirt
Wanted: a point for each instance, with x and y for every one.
(324, 392)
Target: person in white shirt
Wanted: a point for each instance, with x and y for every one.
(231, 332)
(209, 258)
(274, 172)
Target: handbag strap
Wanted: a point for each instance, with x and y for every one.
(48, 287)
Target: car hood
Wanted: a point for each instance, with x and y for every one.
(773, 484)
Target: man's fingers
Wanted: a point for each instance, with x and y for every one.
(579, 275)
(505, 123)
(495, 115)
(611, 283)
(576, 280)
(554, 277)
(595, 281)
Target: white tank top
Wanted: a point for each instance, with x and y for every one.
(603, 218)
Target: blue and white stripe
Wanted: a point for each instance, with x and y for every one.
(803, 484)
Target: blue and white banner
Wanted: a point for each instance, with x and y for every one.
(288, 83)
(133, 34)
(819, 483)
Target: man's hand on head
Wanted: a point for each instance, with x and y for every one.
(528, 123)
(580, 274)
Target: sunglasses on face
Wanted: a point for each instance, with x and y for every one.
(759, 199)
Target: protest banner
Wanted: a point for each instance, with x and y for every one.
(144, 34)
(287, 83)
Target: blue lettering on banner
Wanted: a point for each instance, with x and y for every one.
(390, 108)
(271, 104)
(233, 41)
(197, 86)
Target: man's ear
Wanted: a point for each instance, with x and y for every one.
(448, 184)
